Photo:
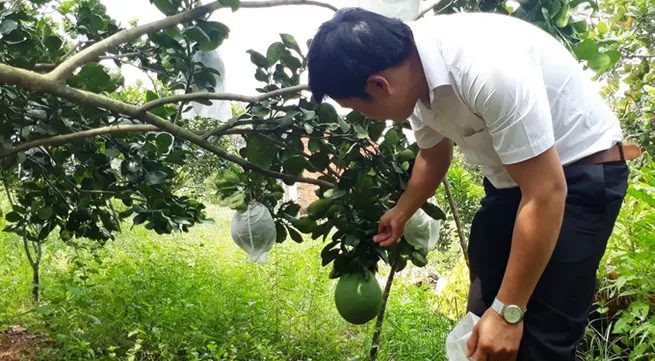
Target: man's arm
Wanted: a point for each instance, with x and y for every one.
(430, 168)
(538, 222)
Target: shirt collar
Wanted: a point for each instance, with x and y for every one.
(429, 50)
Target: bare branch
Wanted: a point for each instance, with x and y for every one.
(41, 83)
(220, 96)
(119, 57)
(66, 138)
(65, 69)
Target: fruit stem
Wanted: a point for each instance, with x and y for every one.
(375, 344)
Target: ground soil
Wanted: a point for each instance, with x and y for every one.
(18, 344)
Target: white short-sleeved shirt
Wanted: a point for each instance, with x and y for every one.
(505, 91)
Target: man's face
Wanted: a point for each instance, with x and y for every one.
(395, 108)
(392, 96)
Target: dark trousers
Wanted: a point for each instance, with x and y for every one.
(558, 309)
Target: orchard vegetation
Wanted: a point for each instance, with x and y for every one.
(116, 207)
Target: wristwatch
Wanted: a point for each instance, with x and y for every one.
(513, 314)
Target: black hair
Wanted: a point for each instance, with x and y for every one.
(352, 46)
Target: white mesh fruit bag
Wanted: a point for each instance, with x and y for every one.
(253, 230)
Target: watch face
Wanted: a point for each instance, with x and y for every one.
(513, 314)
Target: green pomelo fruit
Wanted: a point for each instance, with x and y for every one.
(358, 299)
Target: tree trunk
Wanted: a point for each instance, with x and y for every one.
(458, 222)
(375, 344)
(35, 282)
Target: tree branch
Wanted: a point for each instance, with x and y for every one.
(425, 11)
(220, 96)
(119, 57)
(458, 221)
(66, 138)
(65, 69)
(44, 84)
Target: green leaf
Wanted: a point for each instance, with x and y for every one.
(139, 219)
(586, 49)
(563, 16)
(236, 200)
(261, 151)
(258, 59)
(217, 31)
(290, 42)
(615, 57)
(599, 62)
(433, 211)
(13, 217)
(314, 145)
(164, 142)
(345, 127)
(281, 232)
(274, 52)
(602, 27)
(45, 213)
(327, 113)
(150, 96)
(375, 130)
(95, 77)
(329, 256)
(295, 165)
(295, 236)
(360, 131)
(234, 4)
(320, 160)
(418, 260)
(53, 43)
(198, 35)
(167, 7)
(335, 193)
(96, 23)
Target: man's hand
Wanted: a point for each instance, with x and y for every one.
(429, 170)
(493, 339)
(391, 227)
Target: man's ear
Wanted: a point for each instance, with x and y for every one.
(378, 86)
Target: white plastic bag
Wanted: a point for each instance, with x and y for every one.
(254, 231)
(220, 109)
(456, 348)
(402, 9)
(422, 231)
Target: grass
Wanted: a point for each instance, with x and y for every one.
(195, 296)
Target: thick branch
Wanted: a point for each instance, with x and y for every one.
(65, 69)
(40, 83)
(66, 138)
(220, 96)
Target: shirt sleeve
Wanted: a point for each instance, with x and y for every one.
(509, 94)
(426, 137)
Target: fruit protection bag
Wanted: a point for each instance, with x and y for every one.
(401, 9)
(253, 230)
(422, 231)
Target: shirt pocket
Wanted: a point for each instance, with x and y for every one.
(477, 146)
